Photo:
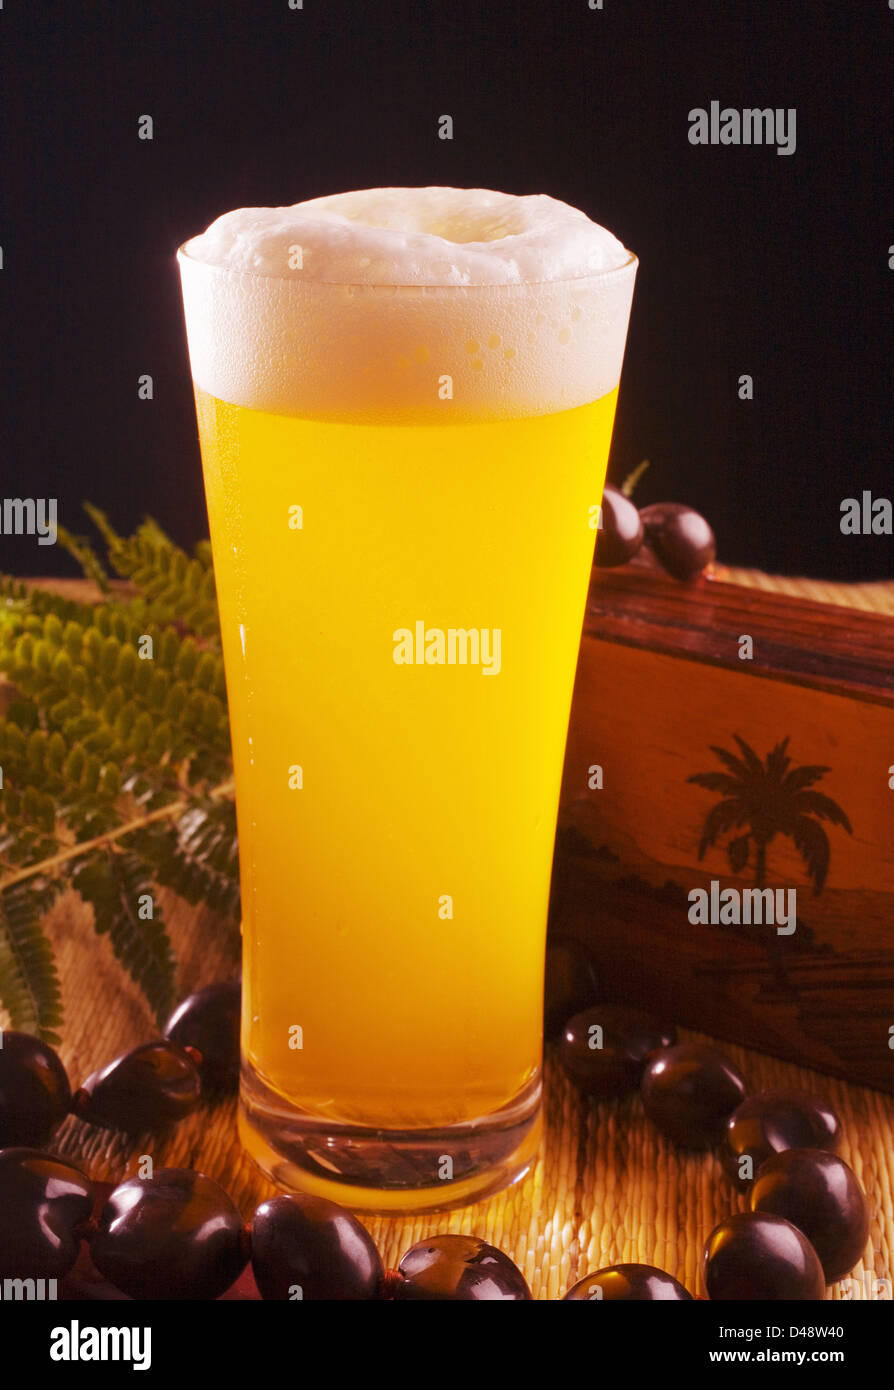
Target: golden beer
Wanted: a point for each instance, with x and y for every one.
(401, 584)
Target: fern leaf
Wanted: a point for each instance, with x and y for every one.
(198, 857)
(29, 983)
(114, 881)
(82, 551)
(150, 531)
(103, 526)
(94, 726)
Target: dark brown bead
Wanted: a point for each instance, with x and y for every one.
(680, 537)
(621, 533)
(628, 1283)
(147, 1088)
(176, 1235)
(754, 1256)
(312, 1244)
(689, 1092)
(209, 1021)
(570, 982)
(610, 1064)
(459, 1267)
(43, 1202)
(819, 1194)
(34, 1090)
(773, 1121)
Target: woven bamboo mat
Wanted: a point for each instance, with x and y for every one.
(607, 1187)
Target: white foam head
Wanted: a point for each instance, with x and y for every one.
(360, 305)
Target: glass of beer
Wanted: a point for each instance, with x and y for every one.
(405, 402)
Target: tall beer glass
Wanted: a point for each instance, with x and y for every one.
(401, 484)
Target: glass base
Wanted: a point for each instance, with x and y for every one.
(389, 1171)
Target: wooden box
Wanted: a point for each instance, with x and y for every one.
(661, 684)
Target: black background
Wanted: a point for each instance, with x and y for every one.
(750, 261)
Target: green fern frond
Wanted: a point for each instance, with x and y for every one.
(197, 857)
(176, 588)
(80, 549)
(149, 530)
(113, 712)
(12, 590)
(22, 605)
(119, 886)
(103, 526)
(29, 983)
(92, 687)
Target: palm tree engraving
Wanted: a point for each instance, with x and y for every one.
(770, 797)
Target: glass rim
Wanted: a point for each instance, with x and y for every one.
(612, 273)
